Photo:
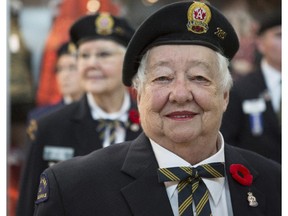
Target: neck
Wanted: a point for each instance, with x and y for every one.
(195, 152)
(76, 96)
(196, 155)
(110, 102)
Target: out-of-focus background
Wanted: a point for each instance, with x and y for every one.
(37, 27)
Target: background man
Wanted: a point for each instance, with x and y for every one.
(253, 117)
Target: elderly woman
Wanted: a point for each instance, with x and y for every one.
(105, 115)
(178, 62)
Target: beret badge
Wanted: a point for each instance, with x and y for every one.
(104, 24)
(72, 48)
(199, 15)
(32, 129)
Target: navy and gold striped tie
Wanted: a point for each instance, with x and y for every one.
(112, 125)
(191, 187)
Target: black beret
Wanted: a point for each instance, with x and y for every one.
(64, 48)
(186, 22)
(101, 25)
(269, 21)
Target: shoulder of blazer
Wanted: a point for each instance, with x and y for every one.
(60, 116)
(94, 163)
(266, 184)
(251, 159)
(73, 108)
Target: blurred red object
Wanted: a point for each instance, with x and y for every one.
(69, 11)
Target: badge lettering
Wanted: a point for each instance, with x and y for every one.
(220, 33)
(43, 190)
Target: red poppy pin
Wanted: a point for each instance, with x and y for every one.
(241, 174)
(134, 118)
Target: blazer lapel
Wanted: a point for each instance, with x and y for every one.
(145, 195)
(270, 114)
(85, 128)
(238, 192)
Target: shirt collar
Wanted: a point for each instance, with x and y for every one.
(67, 100)
(271, 75)
(166, 158)
(98, 113)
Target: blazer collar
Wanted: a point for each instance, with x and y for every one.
(238, 192)
(84, 127)
(144, 195)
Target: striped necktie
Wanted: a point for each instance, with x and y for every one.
(112, 125)
(191, 187)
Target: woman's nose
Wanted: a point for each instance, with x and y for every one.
(181, 92)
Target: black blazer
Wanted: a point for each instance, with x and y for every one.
(236, 124)
(38, 112)
(121, 180)
(73, 128)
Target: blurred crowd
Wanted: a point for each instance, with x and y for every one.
(252, 120)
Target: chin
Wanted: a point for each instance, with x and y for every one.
(181, 138)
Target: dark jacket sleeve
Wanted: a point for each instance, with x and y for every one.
(30, 179)
(48, 200)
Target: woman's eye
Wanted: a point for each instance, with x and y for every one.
(200, 79)
(104, 54)
(84, 55)
(162, 79)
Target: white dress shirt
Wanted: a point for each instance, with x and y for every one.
(273, 81)
(219, 195)
(122, 115)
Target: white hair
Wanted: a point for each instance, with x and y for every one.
(226, 81)
(225, 78)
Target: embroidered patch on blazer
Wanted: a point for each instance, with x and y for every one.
(43, 190)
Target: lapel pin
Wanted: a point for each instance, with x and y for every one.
(134, 119)
(252, 200)
(134, 127)
(243, 176)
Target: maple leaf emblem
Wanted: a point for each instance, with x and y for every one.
(199, 14)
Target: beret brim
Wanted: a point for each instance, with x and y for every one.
(169, 26)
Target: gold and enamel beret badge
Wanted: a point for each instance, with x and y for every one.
(104, 24)
(31, 129)
(199, 16)
(72, 48)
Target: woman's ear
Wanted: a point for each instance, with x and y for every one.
(226, 99)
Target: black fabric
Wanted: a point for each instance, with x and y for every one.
(270, 20)
(63, 49)
(122, 180)
(71, 127)
(236, 125)
(108, 27)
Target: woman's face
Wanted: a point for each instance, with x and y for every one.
(67, 76)
(270, 45)
(100, 65)
(181, 99)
